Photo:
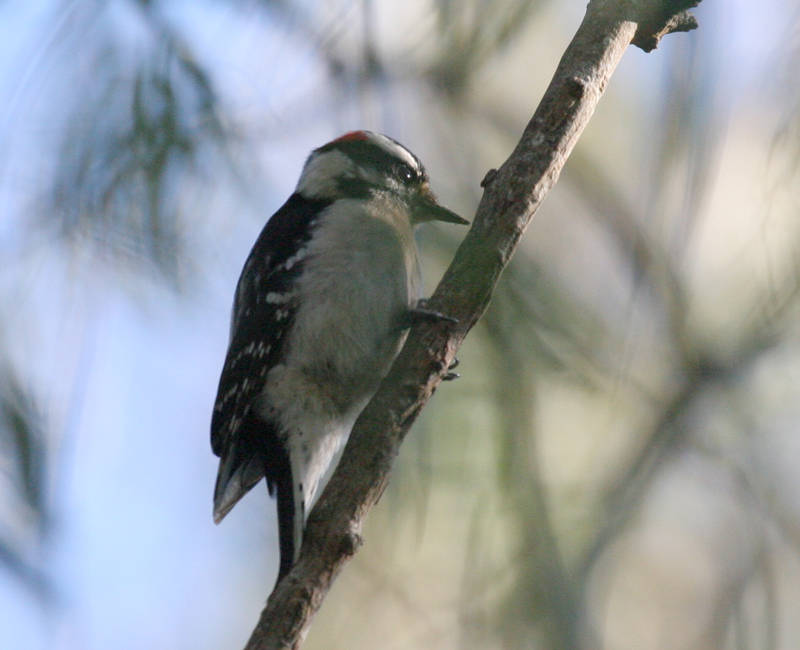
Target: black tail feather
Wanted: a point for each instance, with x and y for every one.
(285, 528)
(279, 470)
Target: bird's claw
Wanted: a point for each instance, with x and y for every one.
(421, 313)
(450, 375)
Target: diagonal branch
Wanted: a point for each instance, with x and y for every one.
(512, 195)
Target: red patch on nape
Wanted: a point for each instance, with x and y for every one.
(352, 136)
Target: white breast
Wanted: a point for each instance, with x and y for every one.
(360, 277)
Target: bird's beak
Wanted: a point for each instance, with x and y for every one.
(429, 209)
(440, 213)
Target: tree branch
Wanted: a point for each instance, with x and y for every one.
(511, 197)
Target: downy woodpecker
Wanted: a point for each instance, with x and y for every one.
(320, 312)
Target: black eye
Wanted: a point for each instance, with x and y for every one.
(406, 174)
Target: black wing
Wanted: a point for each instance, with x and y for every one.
(263, 312)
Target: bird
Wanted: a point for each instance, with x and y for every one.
(321, 310)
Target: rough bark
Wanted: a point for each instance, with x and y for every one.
(512, 195)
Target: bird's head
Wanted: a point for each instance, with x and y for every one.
(364, 165)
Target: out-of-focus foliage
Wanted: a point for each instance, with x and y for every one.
(22, 452)
(144, 117)
(471, 33)
(616, 467)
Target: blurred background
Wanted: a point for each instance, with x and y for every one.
(616, 469)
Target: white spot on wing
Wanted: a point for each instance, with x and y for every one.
(231, 392)
(275, 298)
(299, 256)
